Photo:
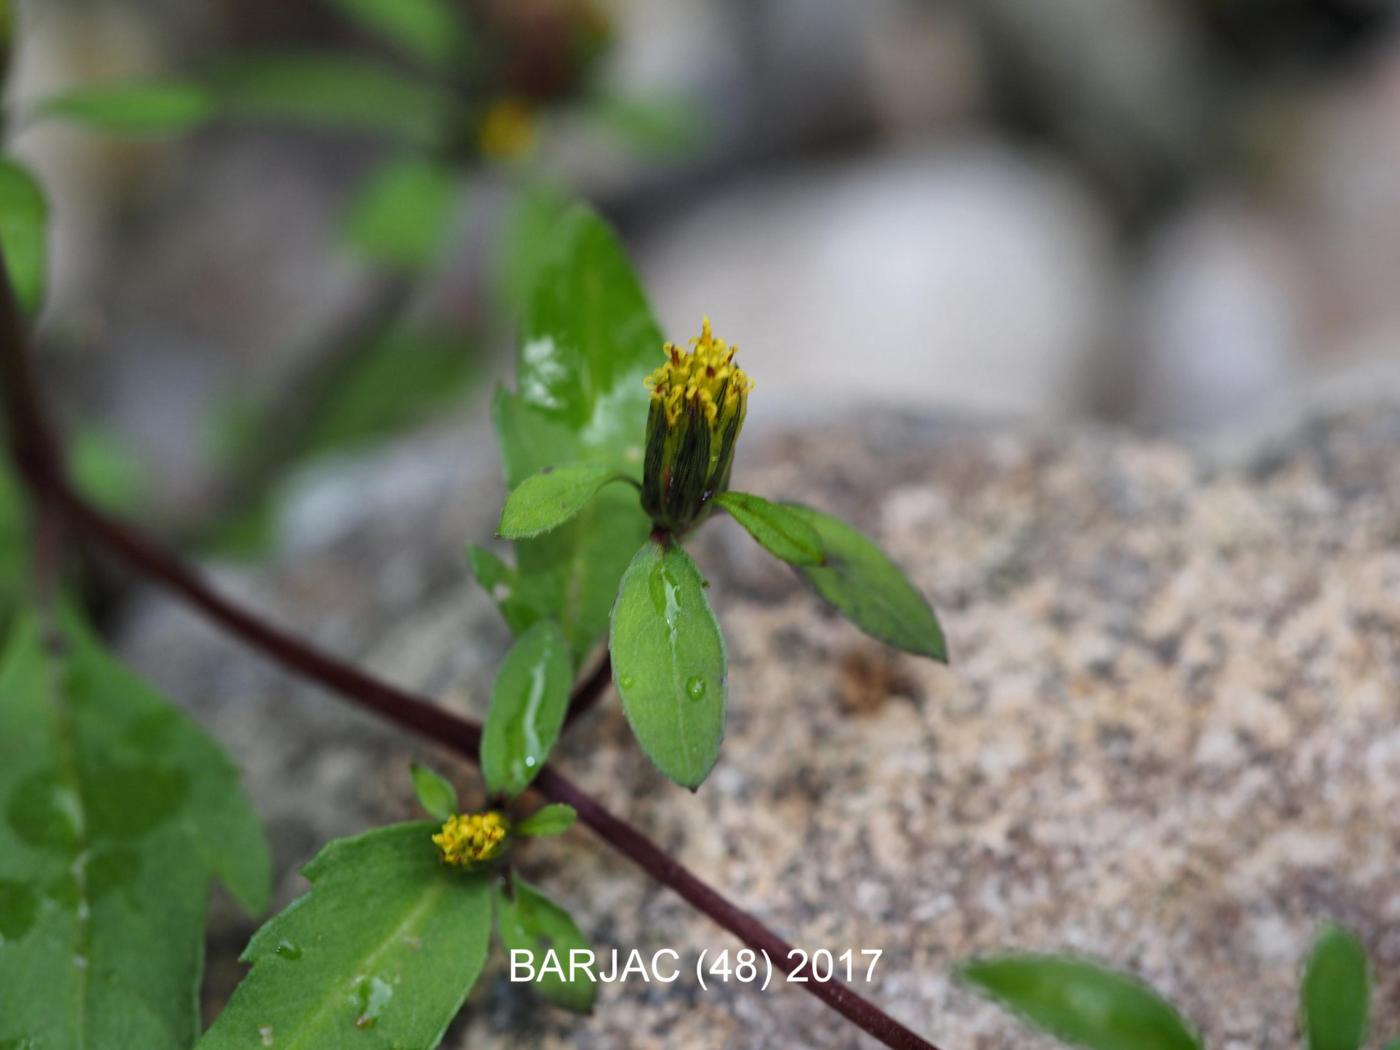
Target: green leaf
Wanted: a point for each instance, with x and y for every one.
(503, 583)
(869, 589)
(1336, 992)
(106, 472)
(528, 703)
(589, 341)
(169, 107)
(332, 91)
(118, 812)
(671, 126)
(544, 501)
(1080, 1003)
(781, 530)
(530, 922)
(400, 217)
(435, 792)
(527, 236)
(428, 30)
(668, 662)
(381, 952)
(24, 218)
(546, 822)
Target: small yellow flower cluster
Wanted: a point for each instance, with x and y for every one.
(507, 129)
(706, 376)
(471, 838)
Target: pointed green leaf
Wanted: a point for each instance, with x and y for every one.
(134, 108)
(528, 703)
(1336, 992)
(781, 529)
(530, 922)
(24, 218)
(548, 499)
(380, 952)
(118, 812)
(547, 821)
(589, 341)
(520, 608)
(668, 662)
(332, 91)
(428, 30)
(1080, 1003)
(435, 792)
(869, 589)
(401, 216)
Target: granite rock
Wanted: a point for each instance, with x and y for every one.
(1167, 739)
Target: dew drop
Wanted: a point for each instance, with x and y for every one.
(287, 950)
(265, 1034)
(373, 996)
(695, 688)
(626, 681)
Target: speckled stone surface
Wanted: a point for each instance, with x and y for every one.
(1168, 739)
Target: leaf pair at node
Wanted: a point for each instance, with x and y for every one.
(1086, 1005)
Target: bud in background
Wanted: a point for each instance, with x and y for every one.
(698, 399)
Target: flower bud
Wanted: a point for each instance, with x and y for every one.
(698, 400)
(470, 839)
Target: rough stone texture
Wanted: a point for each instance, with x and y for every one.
(1168, 738)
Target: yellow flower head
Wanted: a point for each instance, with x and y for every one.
(469, 839)
(507, 129)
(705, 378)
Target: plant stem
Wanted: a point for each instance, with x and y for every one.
(32, 449)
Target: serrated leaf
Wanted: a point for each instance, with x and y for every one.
(528, 702)
(1080, 1003)
(400, 216)
(547, 821)
(429, 30)
(870, 590)
(780, 529)
(548, 499)
(332, 91)
(668, 662)
(531, 922)
(24, 215)
(380, 952)
(589, 341)
(435, 792)
(169, 107)
(119, 812)
(1336, 992)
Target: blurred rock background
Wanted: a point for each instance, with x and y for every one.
(1165, 215)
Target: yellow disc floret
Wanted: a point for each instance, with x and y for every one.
(705, 378)
(468, 839)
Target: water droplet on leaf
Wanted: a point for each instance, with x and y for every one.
(288, 951)
(695, 688)
(626, 681)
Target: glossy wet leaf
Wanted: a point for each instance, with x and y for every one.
(528, 703)
(588, 342)
(435, 792)
(869, 589)
(118, 814)
(668, 662)
(402, 215)
(1336, 992)
(145, 108)
(530, 921)
(24, 217)
(547, 821)
(332, 91)
(781, 529)
(544, 501)
(428, 30)
(379, 953)
(1080, 1003)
